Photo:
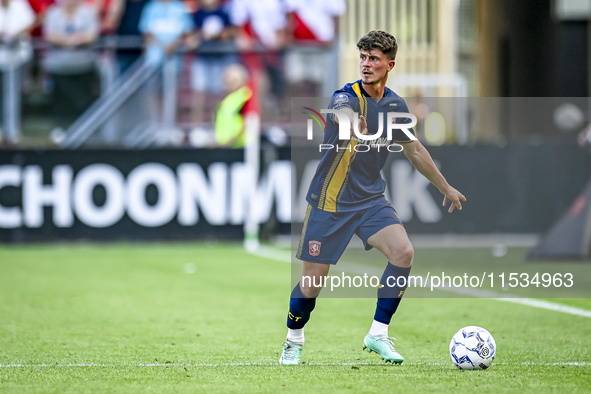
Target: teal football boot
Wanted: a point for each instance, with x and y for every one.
(384, 346)
(291, 353)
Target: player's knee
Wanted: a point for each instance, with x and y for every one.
(311, 292)
(403, 255)
(311, 288)
(408, 253)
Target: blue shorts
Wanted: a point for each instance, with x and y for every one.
(326, 234)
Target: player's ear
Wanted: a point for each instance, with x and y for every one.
(391, 65)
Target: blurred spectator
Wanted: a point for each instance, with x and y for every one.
(16, 19)
(215, 37)
(31, 70)
(40, 7)
(100, 7)
(164, 24)
(263, 22)
(126, 17)
(70, 28)
(313, 26)
(108, 12)
(229, 120)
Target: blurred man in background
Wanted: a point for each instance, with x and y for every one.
(71, 27)
(263, 26)
(16, 19)
(164, 24)
(40, 7)
(108, 13)
(127, 22)
(215, 38)
(229, 120)
(313, 27)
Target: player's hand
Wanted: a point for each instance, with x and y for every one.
(170, 49)
(362, 127)
(455, 197)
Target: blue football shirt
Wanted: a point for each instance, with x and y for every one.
(349, 179)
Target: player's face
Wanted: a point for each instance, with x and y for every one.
(374, 66)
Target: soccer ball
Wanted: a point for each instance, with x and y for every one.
(472, 347)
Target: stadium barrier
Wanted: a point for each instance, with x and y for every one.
(203, 193)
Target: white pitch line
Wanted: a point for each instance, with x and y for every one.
(245, 364)
(285, 256)
(552, 306)
(548, 305)
(272, 253)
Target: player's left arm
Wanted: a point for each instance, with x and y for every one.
(420, 158)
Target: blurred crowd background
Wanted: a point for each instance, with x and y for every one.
(142, 73)
(66, 54)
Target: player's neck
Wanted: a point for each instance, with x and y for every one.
(376, 91)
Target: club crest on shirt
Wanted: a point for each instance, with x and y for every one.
(315, 248)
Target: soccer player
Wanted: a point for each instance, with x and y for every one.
(346, 196)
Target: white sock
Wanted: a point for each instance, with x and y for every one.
(378, 329)
(296, 336)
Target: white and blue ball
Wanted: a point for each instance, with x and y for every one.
(472, 347)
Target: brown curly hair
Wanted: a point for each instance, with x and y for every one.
(379, 39)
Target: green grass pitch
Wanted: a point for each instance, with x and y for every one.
(132, 318)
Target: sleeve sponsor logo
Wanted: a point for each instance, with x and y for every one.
(340, 99)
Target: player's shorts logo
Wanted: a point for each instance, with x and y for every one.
(315, 248)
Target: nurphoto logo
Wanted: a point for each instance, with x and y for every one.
(365, 142)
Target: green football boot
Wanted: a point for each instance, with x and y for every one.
(384, 346)
(291, 353)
